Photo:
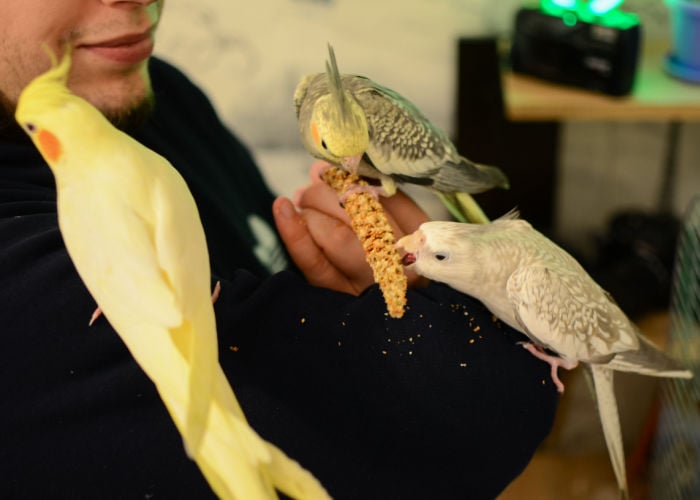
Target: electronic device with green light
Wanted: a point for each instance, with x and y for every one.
(589, 44)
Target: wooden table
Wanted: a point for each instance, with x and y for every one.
(514, 121)
(656, 96)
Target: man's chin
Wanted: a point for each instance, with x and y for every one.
(131, 118)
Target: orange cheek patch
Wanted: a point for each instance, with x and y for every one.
(315, 135)
(49, 145)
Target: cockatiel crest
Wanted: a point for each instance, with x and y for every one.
(48, 91)
(337, 129)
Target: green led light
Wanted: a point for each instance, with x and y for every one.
(602, 12)
(569, 18)
(601, 7)
(565, 4)
(556, 8)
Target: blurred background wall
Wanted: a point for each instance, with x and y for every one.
(249, 57)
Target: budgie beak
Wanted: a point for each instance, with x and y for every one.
(351, 163)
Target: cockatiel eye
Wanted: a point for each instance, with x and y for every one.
(441, 256)
(323, 145)
(30, 127)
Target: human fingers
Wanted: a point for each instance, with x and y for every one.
(303, 249)
(340, 246)
(321, 197)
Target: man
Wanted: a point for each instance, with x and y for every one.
(439, 404)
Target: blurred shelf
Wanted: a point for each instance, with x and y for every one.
(514, 121)
(656, 96)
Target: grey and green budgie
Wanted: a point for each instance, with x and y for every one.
(537, 288)
(372, 131)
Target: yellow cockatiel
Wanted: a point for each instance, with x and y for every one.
(372, 131)
(133, 232)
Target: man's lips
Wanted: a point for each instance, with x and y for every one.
(127, 49)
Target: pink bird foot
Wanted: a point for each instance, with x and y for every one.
(375, 191)
(95, 315)
(554, 362)
(216, 292)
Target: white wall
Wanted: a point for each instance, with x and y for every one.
(249, 56)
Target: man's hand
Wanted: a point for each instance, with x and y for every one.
(319, 238)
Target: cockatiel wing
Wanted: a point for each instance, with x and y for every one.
(152, 267)
(179, 242)
(179, 239)
(570, 315)
(147, 294)
(402, 141)
(405, 145)
(301, 91)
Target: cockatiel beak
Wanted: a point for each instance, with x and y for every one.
(411, 243)
(408, 259)
(351, 163)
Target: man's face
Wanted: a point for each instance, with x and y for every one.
(112, 41)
